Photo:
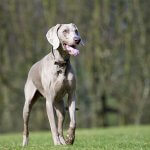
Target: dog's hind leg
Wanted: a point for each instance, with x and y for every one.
(31, 95)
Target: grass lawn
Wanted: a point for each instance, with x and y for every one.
(116, 138)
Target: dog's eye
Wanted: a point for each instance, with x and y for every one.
(66, 31)
(76, 31)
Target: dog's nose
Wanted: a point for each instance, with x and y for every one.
(77, 40)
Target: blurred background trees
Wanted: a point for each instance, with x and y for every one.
(113, 69)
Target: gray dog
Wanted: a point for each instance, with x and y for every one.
(52, 77)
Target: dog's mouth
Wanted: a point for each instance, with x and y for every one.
(71, 49)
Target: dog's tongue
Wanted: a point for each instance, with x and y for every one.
(72, 51)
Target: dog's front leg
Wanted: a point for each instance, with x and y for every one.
(72, 126)
(50, 113)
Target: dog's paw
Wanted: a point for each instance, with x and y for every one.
(57, 143)
(61, 138)
(25, 140)
(70, 139)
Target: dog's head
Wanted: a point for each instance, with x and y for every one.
(67, 35)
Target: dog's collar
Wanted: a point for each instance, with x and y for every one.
(62, 63)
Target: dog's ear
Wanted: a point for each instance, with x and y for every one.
(52, 36)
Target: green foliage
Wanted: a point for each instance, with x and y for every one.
(124, 138)
(114, 62)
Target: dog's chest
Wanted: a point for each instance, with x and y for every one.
(62, 83)
(60, 80)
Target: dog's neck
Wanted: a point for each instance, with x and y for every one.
(60, 56)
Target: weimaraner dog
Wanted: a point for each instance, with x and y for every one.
(53, 77)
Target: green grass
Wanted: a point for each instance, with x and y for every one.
(117, 138)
